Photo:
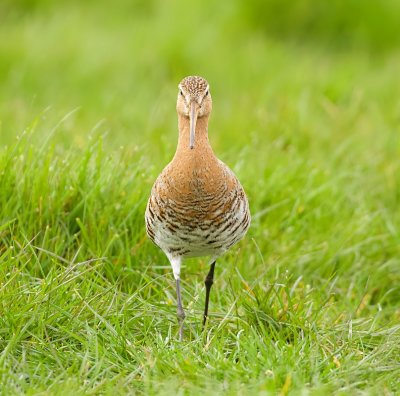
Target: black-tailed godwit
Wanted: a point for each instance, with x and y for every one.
(197, 206)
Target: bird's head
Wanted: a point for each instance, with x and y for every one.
(194, 101)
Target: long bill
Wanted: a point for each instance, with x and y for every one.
(193, 120)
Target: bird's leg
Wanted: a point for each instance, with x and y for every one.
(208, 282)
(176, 268)
(180, 311)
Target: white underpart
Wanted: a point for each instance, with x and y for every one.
(175, 264)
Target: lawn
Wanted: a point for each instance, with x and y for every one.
(306, 112)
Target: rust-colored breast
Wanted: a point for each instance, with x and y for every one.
(197, 207)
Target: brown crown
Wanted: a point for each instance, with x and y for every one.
(194, 85)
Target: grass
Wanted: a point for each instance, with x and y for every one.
(308, 301)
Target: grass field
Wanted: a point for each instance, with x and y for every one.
(306, 112)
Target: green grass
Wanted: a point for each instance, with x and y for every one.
(307, 303)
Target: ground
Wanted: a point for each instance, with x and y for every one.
(307, 303)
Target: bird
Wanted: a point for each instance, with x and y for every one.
(197, 207)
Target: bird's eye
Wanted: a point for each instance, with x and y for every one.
(181, 92)
(206, 93)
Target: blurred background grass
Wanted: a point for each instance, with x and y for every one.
(120, 62)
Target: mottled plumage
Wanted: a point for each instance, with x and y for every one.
(197, 206)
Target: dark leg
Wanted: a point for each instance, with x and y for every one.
(208, 282)
(180, 311)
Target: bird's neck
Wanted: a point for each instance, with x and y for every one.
(202, 147)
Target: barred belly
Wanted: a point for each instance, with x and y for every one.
(206, 225)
